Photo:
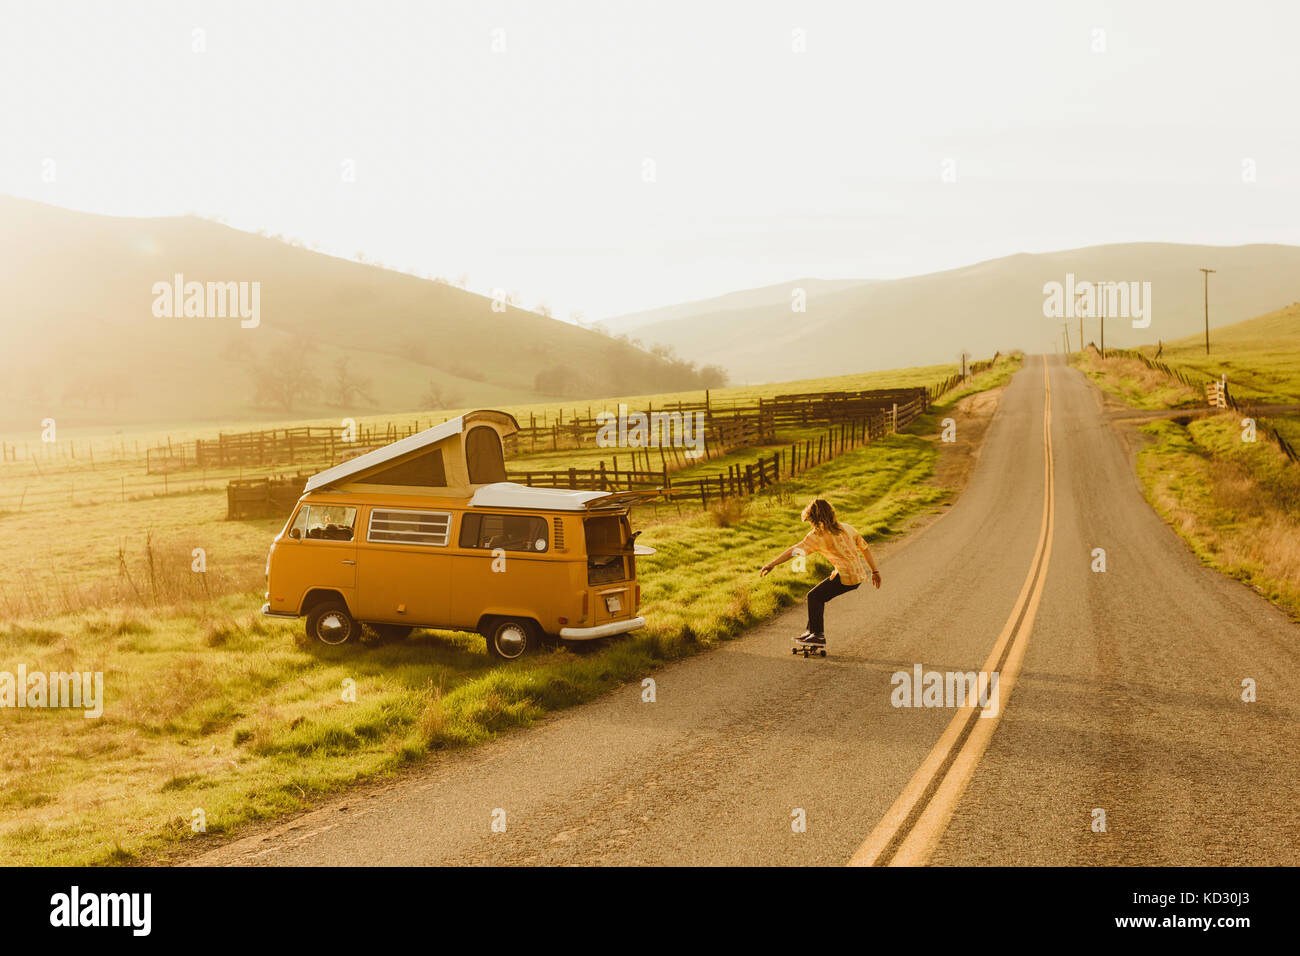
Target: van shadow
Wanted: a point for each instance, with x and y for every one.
(410, 660)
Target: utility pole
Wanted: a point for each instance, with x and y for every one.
(1078, 310)
(1101, 310)
(1066, 329)
(1207, 309)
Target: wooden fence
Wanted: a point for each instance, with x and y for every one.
(726, 428)
(260, 497)
(275, 446)
(263, 497)
(737, 480)
(1217, 393)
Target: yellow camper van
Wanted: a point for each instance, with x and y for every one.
(427, 532)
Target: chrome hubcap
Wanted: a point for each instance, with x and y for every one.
(511, 640)
(333, 628)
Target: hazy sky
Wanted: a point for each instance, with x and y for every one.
(525, 167)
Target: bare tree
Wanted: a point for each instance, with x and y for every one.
(713, 376)
(347, 388)
(286, 377)
(437, 397)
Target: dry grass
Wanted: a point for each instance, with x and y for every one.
(158, 574)
(1133, 383)
(1236, 504)
(728, 512)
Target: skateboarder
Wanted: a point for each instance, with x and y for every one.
(848, 553)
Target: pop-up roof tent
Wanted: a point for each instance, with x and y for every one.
(461, 458)
(453, 459)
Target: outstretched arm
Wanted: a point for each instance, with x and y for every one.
(781, 558)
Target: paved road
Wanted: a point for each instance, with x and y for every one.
(1118, 691)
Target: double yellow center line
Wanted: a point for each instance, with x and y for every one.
(911, 829)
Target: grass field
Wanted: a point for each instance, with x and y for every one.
(211, 708)
(91, 532)
(1260, 357)
(1235, 502)
(1133, 383)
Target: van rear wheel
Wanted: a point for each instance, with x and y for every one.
(509, 638)
(330, 623)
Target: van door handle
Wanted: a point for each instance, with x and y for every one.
(348, 561)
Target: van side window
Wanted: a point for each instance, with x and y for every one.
(326, 522)
(508, 532)
(398, 526)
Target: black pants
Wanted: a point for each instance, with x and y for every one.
(828, 590)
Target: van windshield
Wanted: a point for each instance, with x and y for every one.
(324, 522)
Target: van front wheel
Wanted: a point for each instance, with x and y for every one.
(508, 639)
(330, 623)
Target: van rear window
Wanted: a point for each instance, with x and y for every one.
(608, 558)
(409, 527)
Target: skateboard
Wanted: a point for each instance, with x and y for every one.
(807, 649)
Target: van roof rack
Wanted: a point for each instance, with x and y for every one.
(510, 494)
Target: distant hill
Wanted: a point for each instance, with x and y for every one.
(79, 340)
(772, 295)
(983, 308)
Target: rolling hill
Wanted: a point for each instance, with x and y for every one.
(80, 340)
(983, 308)
(778, 295)
(1260, 356)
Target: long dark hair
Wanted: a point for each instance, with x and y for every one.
(821, 515)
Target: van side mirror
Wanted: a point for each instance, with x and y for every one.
(295, 533)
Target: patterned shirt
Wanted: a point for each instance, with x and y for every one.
(846, 552)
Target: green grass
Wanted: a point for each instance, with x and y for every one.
(1260, 357)
(211, 707)
(1134, 384)
(85, 532)
(1236, 503)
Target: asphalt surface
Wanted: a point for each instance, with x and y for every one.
(1120, 691)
